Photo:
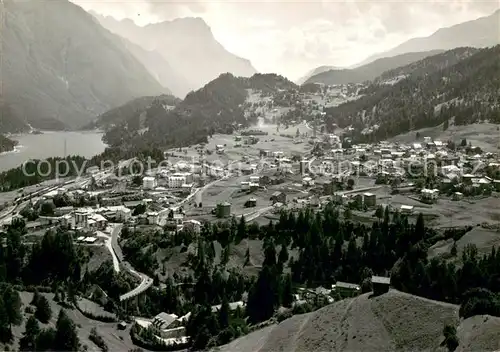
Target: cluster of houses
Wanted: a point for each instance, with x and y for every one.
(170, 328)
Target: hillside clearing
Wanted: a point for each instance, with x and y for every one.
(395, 321)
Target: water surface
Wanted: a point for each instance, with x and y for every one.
(48, 144)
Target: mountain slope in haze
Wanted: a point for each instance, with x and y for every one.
(60, 68)
(369, 71)
(316, 71)
(479, 33)
(9, 121)
(187, 44)
(464, 90)
(218, 107)
(395, 321)
(429, 64)
(159, 68)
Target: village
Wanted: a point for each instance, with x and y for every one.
(255, 174)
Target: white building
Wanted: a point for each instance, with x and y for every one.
(149, 182)
(307, 181)
(81, 219)
(406, 209)
(123, 214)
(254, 179)
(153, 218)
(176, 181)
(429, 194)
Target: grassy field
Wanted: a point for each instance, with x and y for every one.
(483, 135)
(483, 238)
(117, 340)
(392, 322)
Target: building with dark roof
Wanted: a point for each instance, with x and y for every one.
(380, 284)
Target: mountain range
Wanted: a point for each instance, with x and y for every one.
(187, 45)
(461, 85)
(316, 71)
(60, 68)
(369, 71)
(479, 33)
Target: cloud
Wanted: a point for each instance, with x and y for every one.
(291, 37)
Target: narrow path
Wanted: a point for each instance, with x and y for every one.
(299, 332)
(116, 262)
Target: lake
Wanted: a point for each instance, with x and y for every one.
(49, 144)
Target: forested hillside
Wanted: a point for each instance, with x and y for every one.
(217, 107)
(435, 92)
(429, 64)
(6, 144)
(129, 111)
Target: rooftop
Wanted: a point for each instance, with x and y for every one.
(381, 280)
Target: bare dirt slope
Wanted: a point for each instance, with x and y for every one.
(479, 333)
(392, 322)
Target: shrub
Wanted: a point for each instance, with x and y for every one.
(283, 316)
(98, 340)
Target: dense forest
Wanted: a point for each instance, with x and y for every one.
(6, 144)
(217, 107)
(429, 64)
(434, 92)
(129, 112)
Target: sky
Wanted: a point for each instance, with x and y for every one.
(293, 37)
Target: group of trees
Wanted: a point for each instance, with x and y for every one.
(36, 171)
(6, 144)
(10, 311)
(63, 338)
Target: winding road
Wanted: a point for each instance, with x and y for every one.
(146, 281)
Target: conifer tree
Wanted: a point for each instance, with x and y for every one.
(28, 341)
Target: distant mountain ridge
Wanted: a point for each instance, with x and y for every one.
(159, 68)
(369, 71)
(460, 85)
(429, 64)
(479, 33)
(187, 45)
(60, 68)
(316, 71)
